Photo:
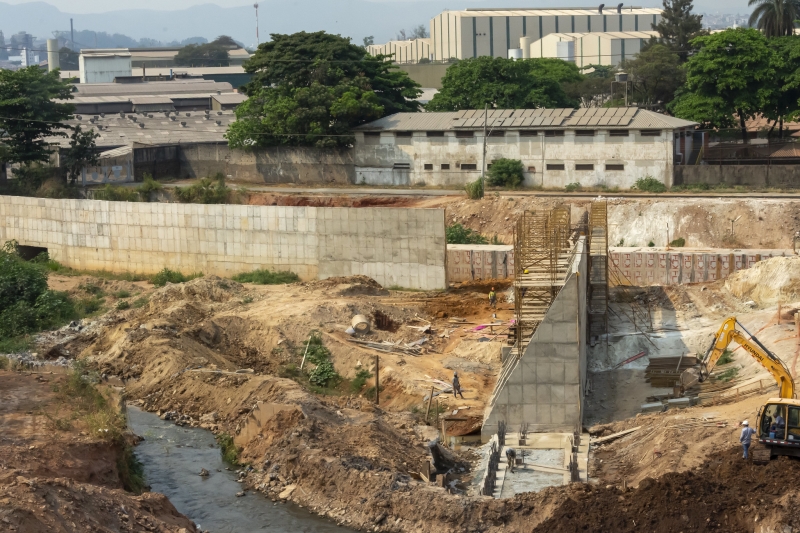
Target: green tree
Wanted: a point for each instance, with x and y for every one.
(213, 54)
(678, 26)
(82, 153)
(775, 17)
(313, 88)
(594, 88)
(655, 76)
(732, 73)
(32, 108)
(505, 84)
(506, 173)
(458, 234)
(784, 101)
(68, 59)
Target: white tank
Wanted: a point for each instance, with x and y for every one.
(515, 53)
(525, 44)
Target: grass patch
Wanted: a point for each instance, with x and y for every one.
(5, 363)
(92, 288)
(207, 191)
(123, 304)
(22, 343)
(572, 187)
(140, 302)
(728, 375)
(474, 189)
(171, 276)
(264, 276)
(370, 393)
(725, 358)
(117, 193)
(228, 450)
(88, 307)
(458, 234)
(650, 184)
(131, 471)
(359, 381)
(680, 242)
(122, 294)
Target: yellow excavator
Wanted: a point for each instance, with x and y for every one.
(778, 421)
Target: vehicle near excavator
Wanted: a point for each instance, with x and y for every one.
(778, 421)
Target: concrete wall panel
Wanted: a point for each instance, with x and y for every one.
(404, 247)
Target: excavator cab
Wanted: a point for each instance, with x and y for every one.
(778, 429)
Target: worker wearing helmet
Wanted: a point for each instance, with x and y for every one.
(747, 433)
(493, 298)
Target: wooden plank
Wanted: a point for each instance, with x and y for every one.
(614, 436)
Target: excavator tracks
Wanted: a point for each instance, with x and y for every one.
(761, 455)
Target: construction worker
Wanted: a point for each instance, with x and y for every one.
(493, 298)
(457, 386)
(747, 432)
(511, 456)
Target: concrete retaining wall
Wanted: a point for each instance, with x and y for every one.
(545, 386)
(747, 175)
(404, 247)
(468, 262)
(657, 266)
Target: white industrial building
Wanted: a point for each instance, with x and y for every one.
(493, 32)
(610, 147)
(585, 49)
(103, 65)
(410, 51)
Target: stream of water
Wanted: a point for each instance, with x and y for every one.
(172, 458)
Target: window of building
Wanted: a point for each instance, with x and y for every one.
(619, 133)
(372, 134)
(434, 133)
(428, 166)
(584, 133)
(497, 133)
(469, 166)
(464, 134)
(554, 133)
(532, 170)
(555, 166)
(402, 166)
(445, 166)
(650, 133)
(404, 134)
(584, 166)
(528, 133)
(615, 166)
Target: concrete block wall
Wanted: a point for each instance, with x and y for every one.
(468, 262)
(404, 247)
(545, 386)
(658, 266)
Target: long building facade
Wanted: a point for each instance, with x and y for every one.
(484, 32)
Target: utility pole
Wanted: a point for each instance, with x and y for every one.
(71, 35)
(258, 39)
(377, 381)
(483, 159)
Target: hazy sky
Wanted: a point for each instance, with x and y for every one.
(97, 6)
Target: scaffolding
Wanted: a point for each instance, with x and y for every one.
(542, 251)
(598, 268)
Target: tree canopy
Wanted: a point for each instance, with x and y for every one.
(213, 54)
(32, 108)
(678, 26)
(732, 73)
(506, 84)
(313, 88)
(655, 75)
(68, 59)
(775, 17)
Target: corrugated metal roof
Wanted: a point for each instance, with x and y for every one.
(158, 128)
(605, 35)
(229, 98)
(621, 117)
(116, 152)
(154, 88)
(528, 12)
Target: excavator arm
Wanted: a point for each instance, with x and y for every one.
(773, 364)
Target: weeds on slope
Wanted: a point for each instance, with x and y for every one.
(264, 276)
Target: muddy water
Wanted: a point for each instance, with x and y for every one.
(173, 456)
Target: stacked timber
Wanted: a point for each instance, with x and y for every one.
(666, 372)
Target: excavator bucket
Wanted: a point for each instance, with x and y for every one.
(689, 377)
(761, 455)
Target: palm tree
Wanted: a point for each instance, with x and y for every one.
(775, 17)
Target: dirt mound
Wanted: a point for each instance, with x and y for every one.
(206, 289)
(768, 281)
(726, 493)
(347, 286)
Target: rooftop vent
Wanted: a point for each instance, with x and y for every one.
(79, 117)
(600, 9)
(219, 123)
(219, 112)
(133, 119)
(141, 125)
(121, 114)
(188, 114)
(183, 123)
(619, 8)
(219, 92)
(102, 115)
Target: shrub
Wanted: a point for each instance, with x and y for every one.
(4, 363)
(496, 241)
(140, 302)
(88, 306)
(680, 242)
(117, 193)
(651, 244)
(650, 184)
(725, 358)
(208, 191)
(228, 450)
(324, 374)
(506, 173)
(572, 187)
(458, 234)
(122, 294)
(170, 276)
(264, 276)
(131, 471)
(122, 305)
(474, 189)
(148, 185)
(360, 380)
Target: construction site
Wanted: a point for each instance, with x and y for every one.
(604, 390)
